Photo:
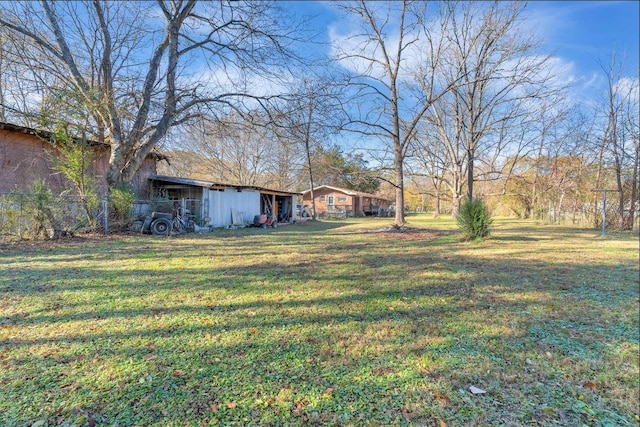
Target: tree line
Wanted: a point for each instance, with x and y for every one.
(440, 101)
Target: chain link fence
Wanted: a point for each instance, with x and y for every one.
(29, 216)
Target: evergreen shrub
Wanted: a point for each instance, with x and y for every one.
(474, 219)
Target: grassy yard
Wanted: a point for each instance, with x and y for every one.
(330, 323)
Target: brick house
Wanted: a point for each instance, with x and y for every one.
(341, 201)
(26, 155)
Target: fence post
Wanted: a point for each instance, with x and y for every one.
(105, 215)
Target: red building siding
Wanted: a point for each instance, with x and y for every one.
(331, 199)
(26, 157)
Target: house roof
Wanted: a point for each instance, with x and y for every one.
(45, 134)
(216, 185)
(347, 192)
(49, 136)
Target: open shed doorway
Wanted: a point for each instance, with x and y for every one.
(280, 206)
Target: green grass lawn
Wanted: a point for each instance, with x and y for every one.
(329, 323)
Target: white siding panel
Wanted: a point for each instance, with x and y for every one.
(215, 212)
(222, 202)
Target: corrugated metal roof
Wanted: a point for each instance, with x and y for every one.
(211, 184)
(348, 192)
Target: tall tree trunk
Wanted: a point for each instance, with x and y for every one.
(456, 191)
(633, 203)
(309, 167)
(116, 158)
(598, 179)
(470, 174)
(618, 169)
(399, 182)
(436, 211)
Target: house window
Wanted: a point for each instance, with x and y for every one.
(342, 199)
(330, 200)
(323, 198)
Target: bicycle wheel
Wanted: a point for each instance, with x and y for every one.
(176, 225)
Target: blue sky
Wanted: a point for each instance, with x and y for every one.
(585, 32)
(577, 33)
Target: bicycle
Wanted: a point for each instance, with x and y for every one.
(181, 222)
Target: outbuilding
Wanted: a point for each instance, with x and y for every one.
(330, 200)
(222, 205)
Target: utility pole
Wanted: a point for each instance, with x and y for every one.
(604, 208)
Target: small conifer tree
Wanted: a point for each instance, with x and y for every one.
(474, 219)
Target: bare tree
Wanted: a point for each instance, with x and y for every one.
(499, 75)
(620, 135)
(631, 129)
(427, 161)
(141, 68)
(234, 149)
(392, 57)
(306, 120)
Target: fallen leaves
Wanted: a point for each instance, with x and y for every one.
(300, 405)
(425, 371)
(443, 397)
(328, 392)
(237, 360)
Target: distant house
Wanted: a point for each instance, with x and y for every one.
(27, 155)
(335, 200)
(221, 205)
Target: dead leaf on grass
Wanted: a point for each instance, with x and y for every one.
(300, 405)
(589, 385)
(231, 405)
(441, 423)
(424, 371)
(148, 357)
(381, 372)
(72, 387)
(442, 397)
(327, 393)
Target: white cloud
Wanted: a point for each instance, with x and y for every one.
(629, 86)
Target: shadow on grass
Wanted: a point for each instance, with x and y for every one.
(253, 335)
(518, 238)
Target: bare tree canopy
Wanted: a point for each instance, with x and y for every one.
(501, 80)
(134, 70)
(391, 57)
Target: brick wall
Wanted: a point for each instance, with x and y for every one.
(25, 158)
